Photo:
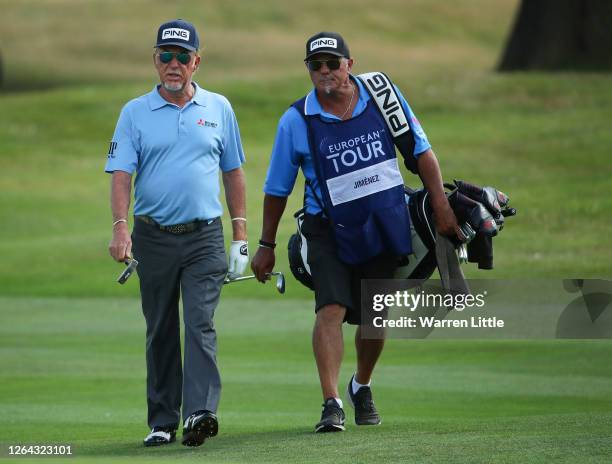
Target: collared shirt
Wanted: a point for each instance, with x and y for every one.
(176, 154)
(291, 150)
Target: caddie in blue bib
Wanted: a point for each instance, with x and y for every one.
(361, 184)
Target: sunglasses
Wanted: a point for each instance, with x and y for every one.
(315, 65)
(182, 57)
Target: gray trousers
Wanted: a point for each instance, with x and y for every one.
(192, 265)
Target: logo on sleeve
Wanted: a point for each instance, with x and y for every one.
(111, 149)
(175, 33)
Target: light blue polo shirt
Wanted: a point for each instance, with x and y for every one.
(176, 154)
(291, 150)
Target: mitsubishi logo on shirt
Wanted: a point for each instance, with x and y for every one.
(202, 122)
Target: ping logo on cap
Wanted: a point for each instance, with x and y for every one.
(175, 33)
(323, 42)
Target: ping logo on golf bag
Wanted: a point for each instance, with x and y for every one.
(244, 250)
(323, 42)
(387, 101)
(175, 33)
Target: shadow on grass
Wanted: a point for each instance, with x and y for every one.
(267, 446)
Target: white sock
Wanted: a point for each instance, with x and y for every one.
(356, 385)
(339, 401)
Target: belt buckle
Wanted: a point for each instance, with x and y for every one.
(174, 229)
(180, 229)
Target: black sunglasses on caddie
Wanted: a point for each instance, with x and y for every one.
(315, 65)
(181, 57)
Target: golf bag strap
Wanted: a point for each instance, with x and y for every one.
(307, 184)
(451, 275)
(382, 91)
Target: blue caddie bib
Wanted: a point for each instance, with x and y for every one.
(361, 184)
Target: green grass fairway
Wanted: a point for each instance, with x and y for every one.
(72, 363)
(73, 372)
(542, 138)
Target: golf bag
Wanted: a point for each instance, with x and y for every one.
(298, 253)
(480, 212)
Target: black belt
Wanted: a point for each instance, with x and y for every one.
(176, 229)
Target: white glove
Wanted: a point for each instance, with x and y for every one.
(238, 258)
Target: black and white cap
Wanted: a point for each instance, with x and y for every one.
(327, 42)
(178, 32)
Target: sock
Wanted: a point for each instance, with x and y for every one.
(339, 401)
(356, 385)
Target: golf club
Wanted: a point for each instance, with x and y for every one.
(131, 264)
(280, 280)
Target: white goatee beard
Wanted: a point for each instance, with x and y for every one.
(173, 87)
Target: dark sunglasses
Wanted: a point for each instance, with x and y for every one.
(182, 57)
(315, 65)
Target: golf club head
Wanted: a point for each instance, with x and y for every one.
(462, 253)
(280, 282)
(131, 264)
(280, 279)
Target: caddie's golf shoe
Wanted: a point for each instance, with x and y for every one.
(332, 417)
(365, 411)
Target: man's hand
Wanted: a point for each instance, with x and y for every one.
(264, 259)
(446, 221)
(429, 171)
(238, 257)
(263, 263)
(120, 247)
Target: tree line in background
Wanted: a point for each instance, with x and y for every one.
(550, 35)
(560, 35)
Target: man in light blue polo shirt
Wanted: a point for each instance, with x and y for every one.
(176, 138)
(356, 223)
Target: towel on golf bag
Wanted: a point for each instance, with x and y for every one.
(480, 212)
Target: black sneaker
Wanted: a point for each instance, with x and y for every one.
(365, 411)
(198, 427)
(332, 417)
(160, 436)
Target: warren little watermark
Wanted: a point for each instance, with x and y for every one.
(415, 302)
(502, 309)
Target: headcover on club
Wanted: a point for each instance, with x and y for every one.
(131, 264)
(495, 202)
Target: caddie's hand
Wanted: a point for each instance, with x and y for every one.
(238, 257)
(263, 263)
(446, 221)
(120, 247)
